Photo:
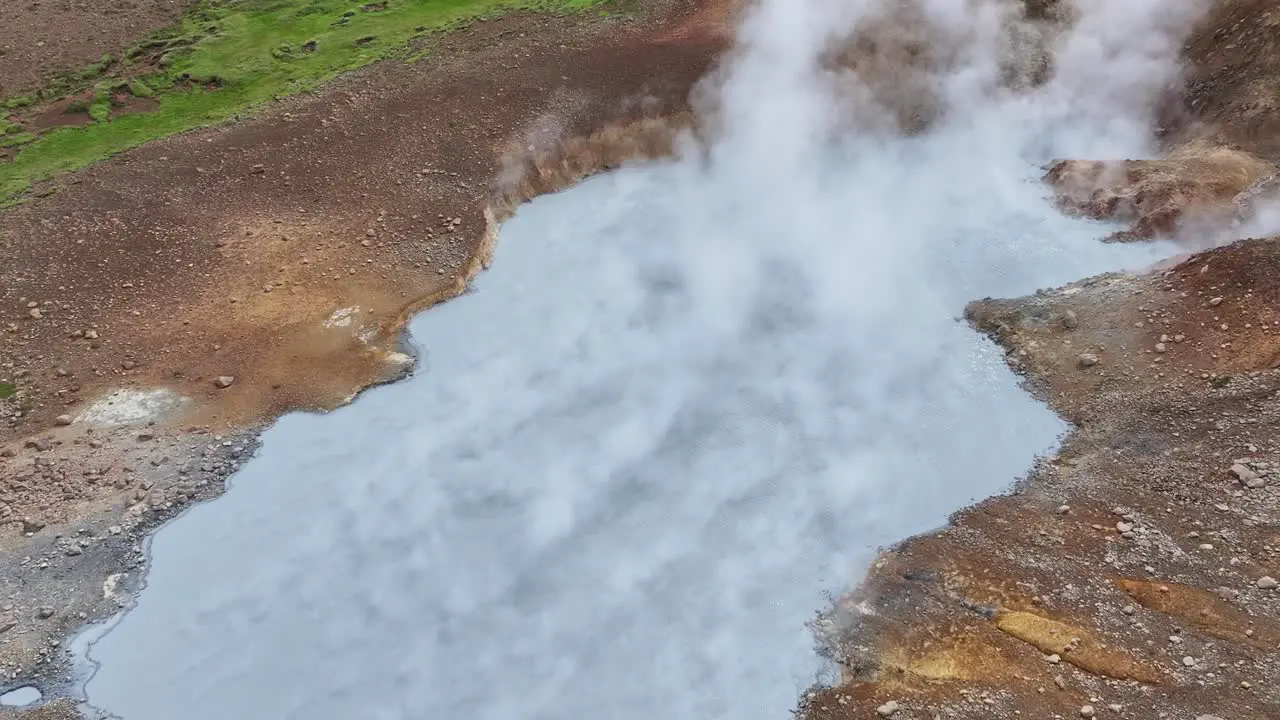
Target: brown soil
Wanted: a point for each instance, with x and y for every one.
(222, 253)
(1233, 73)
(58, 114)
(39, 38)
(1126, 575)
(124, 104)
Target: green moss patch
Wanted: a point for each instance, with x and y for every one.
(225, 58)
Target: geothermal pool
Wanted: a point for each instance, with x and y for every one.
(681, 410)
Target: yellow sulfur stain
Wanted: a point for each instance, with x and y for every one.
(1074, 645)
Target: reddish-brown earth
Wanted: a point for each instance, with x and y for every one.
(39, 38)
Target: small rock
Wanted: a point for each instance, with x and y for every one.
(1244, 474)
(128, 364)
(63, 419)
(1129, 610)
(7, 624)
(1161, 347)
(91, 334)
(1086, 711)
(1054, 659)
(1070, 321)
(1189, 661)
(44, 613)
(224, 381)
(73, 550)
(1215, 302)
(887, 709)
(31, 525)
(1124, 527)
(1266, 582)
(1088, 360)
(35, 313)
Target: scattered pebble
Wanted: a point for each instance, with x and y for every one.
(887, 709)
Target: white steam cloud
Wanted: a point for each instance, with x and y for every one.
(688, 400)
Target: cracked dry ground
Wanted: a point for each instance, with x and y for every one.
(282, 253)
(1134, 574)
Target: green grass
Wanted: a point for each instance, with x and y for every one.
(140, 89)
(7, 390)
(16, 139)
(229, 56)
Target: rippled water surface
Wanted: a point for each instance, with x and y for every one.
(631, 465)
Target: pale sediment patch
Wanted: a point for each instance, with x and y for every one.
(132, 407)
(342, 317)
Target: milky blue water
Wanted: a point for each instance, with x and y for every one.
(20, 697)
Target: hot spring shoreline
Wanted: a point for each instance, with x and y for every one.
(1058, 596)
(78, 558)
